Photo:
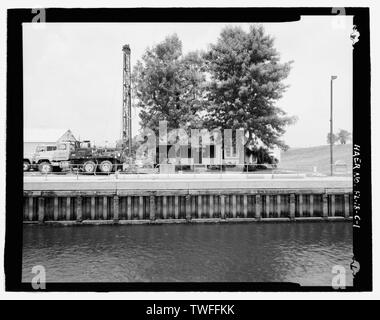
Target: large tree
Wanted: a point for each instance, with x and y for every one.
(246, 81)
(331, 139)
(343, 136)
(169, 86)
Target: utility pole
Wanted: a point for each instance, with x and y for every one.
(127, 113)
(331, 125)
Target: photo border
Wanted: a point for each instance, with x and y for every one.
(362, 218)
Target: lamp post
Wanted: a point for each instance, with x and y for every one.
(331, 123)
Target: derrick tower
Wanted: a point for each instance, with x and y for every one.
(127, 112)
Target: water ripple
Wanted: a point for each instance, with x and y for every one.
(296, 252)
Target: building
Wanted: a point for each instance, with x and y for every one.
(35, 137)
(67, 137)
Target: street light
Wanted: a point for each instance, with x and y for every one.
(331, 123)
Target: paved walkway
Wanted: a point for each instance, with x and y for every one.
(184, 182)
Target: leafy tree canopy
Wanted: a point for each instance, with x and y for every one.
(344, 136)
(169, 86)
(246, 81)
(234, 85)
(332, 138)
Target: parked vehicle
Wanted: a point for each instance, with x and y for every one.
(73, 156)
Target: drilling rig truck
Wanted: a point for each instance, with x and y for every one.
(74, 156)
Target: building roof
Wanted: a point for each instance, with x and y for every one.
(67, 136)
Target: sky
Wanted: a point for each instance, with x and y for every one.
(73, 73)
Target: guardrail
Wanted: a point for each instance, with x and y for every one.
(119, 170)
(155, 169)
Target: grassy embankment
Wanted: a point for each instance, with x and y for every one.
(304, 159)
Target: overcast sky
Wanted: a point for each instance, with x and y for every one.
(73, 73)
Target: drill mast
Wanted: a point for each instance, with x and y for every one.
(127, 112)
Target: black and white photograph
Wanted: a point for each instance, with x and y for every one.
(201, 152)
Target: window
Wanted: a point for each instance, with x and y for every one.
(51, 148)
(85, 144)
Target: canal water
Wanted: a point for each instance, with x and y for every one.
(250, 252)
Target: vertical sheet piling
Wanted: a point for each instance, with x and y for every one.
(211, 212)
(148, 206)
(267, 206)
(234, 206)
(141, 207)
(258, 207)
(300, 205)
(199, 211)
(292, 209)
(68, 208)
(325, 212)
(332, 199)
(41, 209)
(245, 206)
(152, 208)
(346, 205)
(79, 209)
(55, 212)
(92, 208)
(115, 209)
(188, 208)
(222, 207)
(311, 205)
(105, 205)
(278, 205)
(176, 207)
(129, 208)
(30, 208)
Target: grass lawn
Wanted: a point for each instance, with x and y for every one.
(304, 159)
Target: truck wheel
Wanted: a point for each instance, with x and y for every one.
(105, 166)
(26, 166)
(89, 166)
(45, 167)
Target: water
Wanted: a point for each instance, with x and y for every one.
(298, 252)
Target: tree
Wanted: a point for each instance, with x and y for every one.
(343, 136)
(169, 86)
(246, 82)
(335, 138)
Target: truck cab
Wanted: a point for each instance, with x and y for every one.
(42, 152)
(47, 157)
(51, 153)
